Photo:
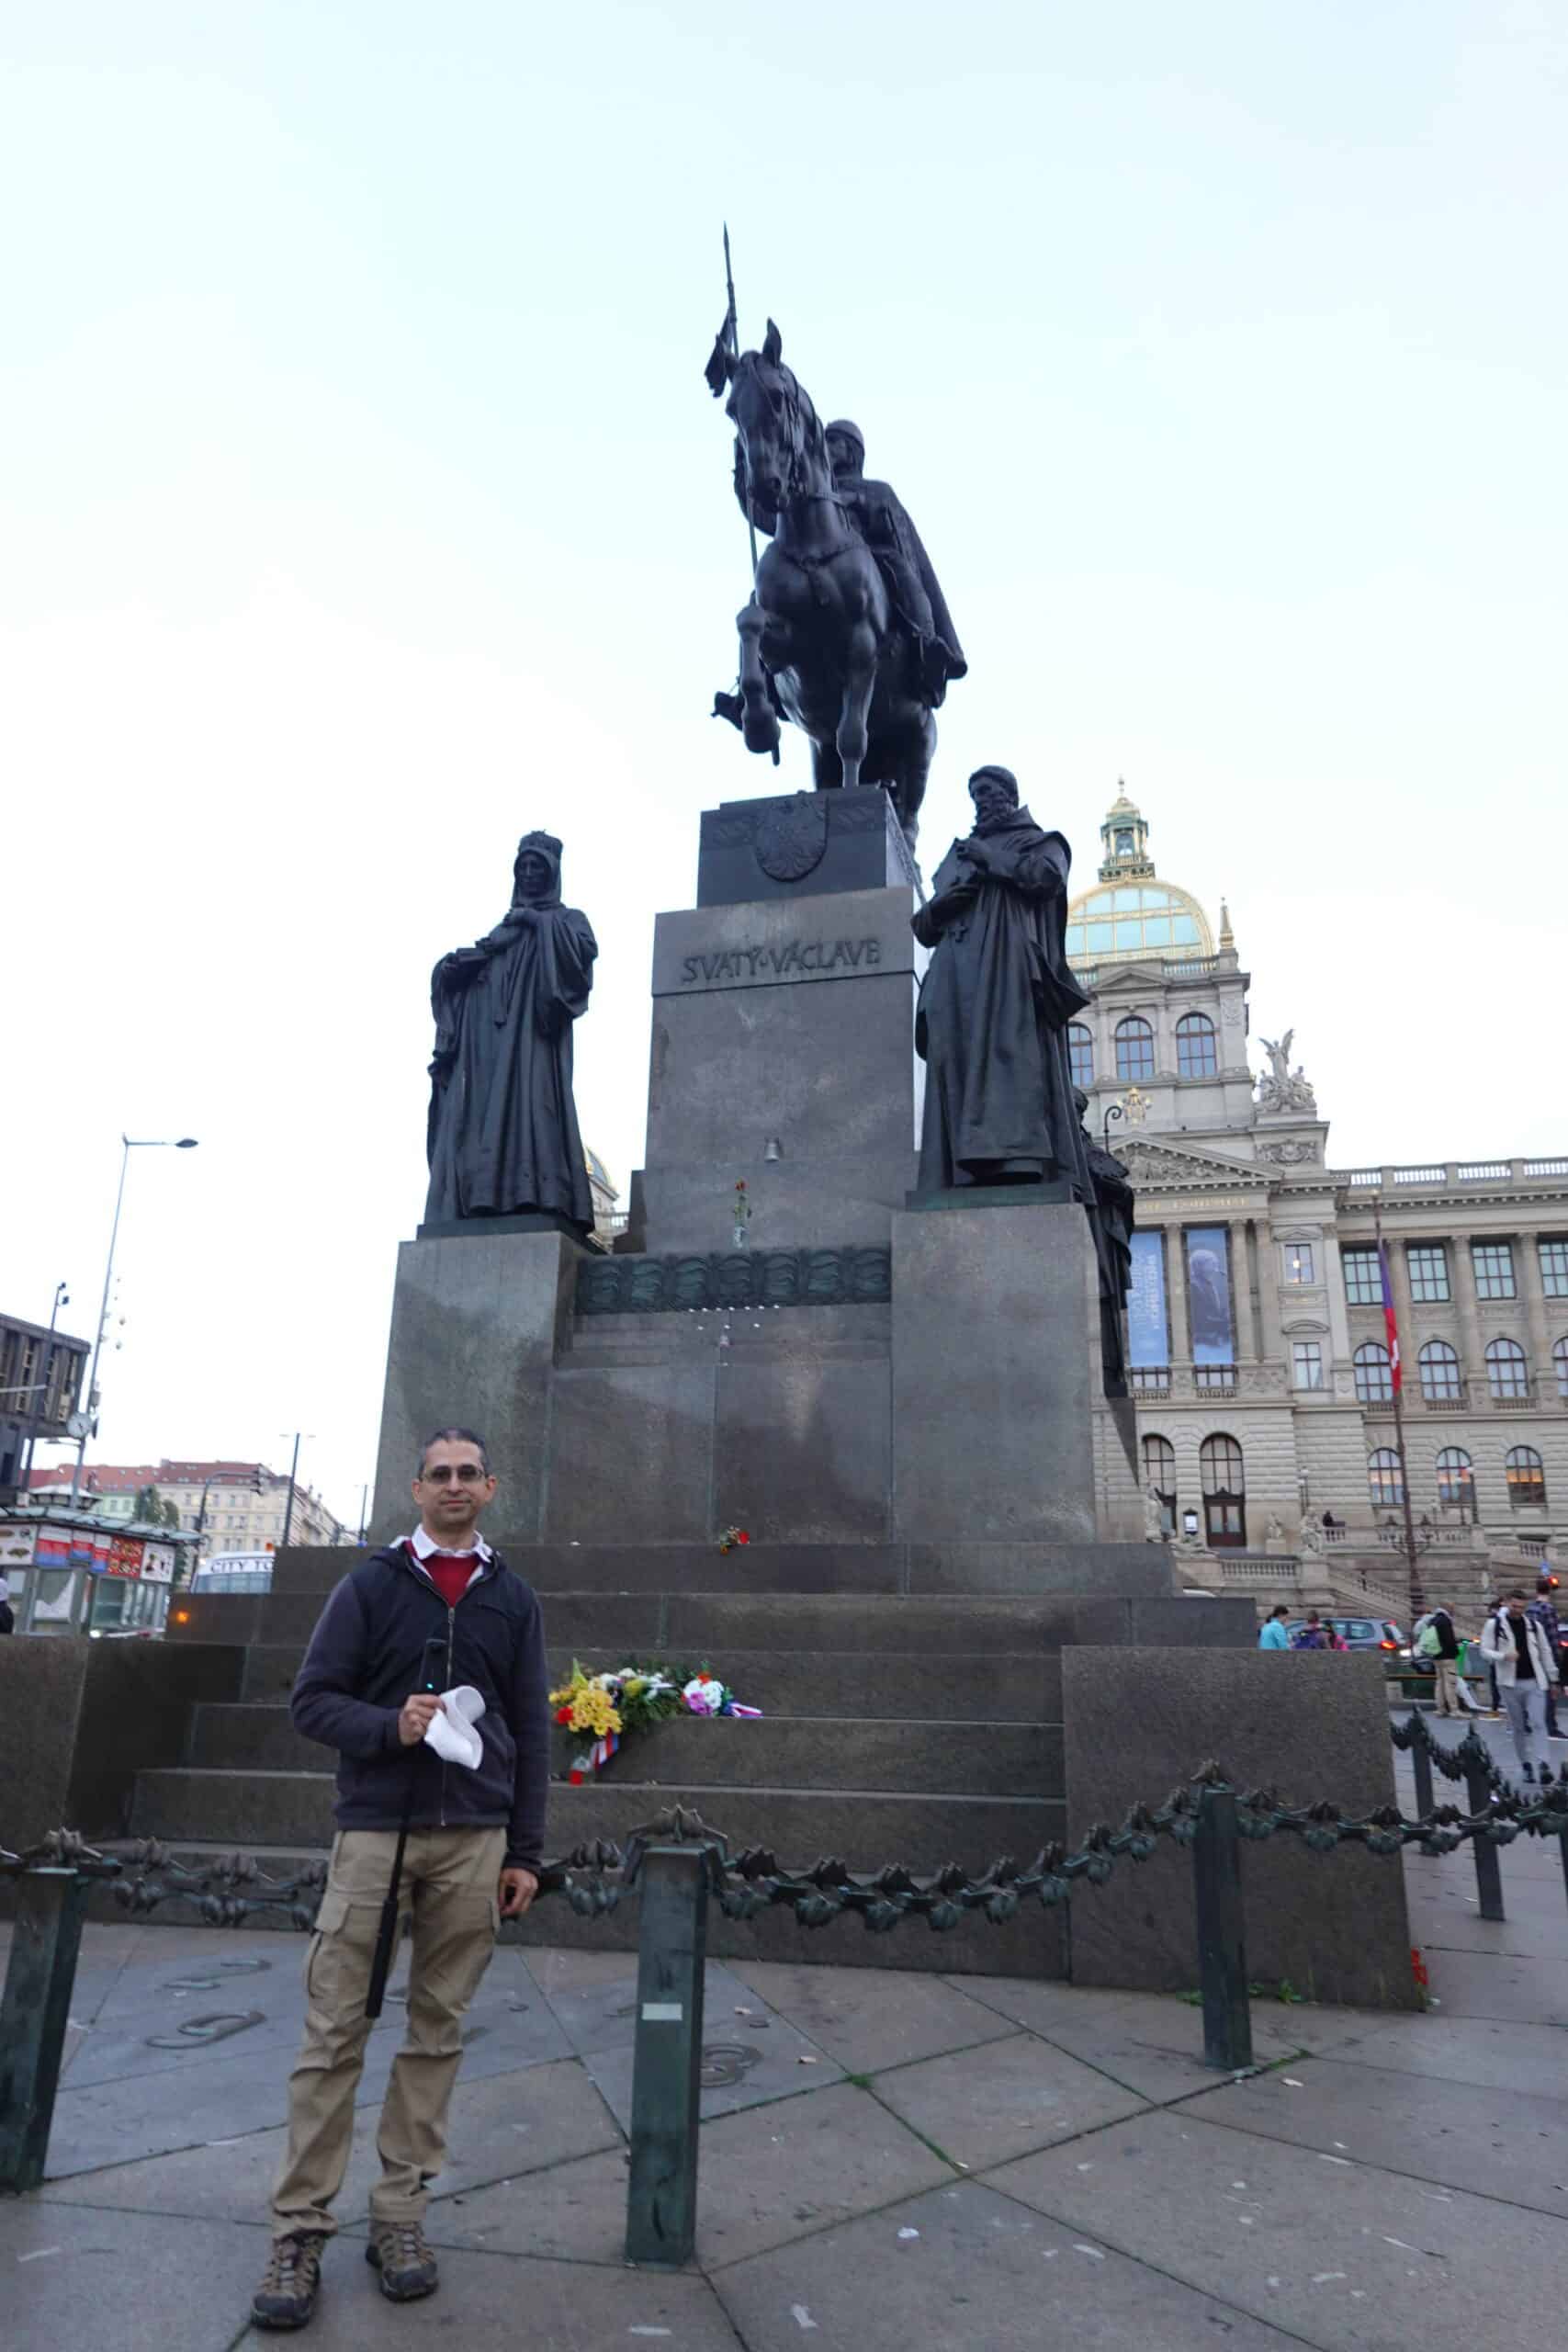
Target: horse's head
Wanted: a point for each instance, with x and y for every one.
(781, 435)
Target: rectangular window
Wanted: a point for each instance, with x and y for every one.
(1299, 1263)
(1209, 1295)
(1428, 1264)
(1554, 1268)
(1493, 1265)
(1307, 1357)
(1363, 1286)
(1148, 1326)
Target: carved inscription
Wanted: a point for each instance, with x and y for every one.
(731, 964)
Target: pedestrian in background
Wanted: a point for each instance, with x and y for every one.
(7, 1614)
(1311, 1636)
(1514, 1647)
(1436, 1641)
(1272, 1635)
(1544, 1608)
(1331, 1639)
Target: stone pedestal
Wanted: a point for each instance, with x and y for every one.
(476, 1327)
(787, 1029)
(995, 1373)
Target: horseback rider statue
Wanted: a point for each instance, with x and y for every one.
(847, 632)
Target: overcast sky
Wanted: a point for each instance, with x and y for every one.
(363, 506)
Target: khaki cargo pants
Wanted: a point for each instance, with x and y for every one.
(451, 1884)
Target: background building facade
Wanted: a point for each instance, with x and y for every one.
(41, 1386)
(239, 1506)
(1256, 1329)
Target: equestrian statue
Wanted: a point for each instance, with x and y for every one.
(847, 631)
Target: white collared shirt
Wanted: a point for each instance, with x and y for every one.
(425, 1546)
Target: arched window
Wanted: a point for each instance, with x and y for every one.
(1385, 1480)
(1134, 1050)
(1159, 1472)
(1560, 1360)
(1455, 1485)
(1195, 1055)
(1506, 1368)
(1526, 1474)
(1374, 1377)
(1439, 1373)
(1225, 1492)
(1080, 1053)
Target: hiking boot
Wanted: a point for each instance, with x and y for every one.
(397, 2250)
(286, 2296)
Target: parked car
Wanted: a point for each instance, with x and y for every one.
(1358, 1634)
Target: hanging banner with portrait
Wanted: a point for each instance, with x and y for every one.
(1148, 1325)
(1209, 1294)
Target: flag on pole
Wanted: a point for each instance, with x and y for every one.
(1389, 1325)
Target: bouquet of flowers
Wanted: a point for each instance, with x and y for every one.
(731, 1538)
(611, 1705)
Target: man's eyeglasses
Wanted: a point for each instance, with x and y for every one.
(467, 1473)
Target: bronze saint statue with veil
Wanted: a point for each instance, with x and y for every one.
(502, 1136)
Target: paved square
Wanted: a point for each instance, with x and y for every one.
(889, 2160)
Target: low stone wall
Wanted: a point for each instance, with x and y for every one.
(1306, 1724)
(79, 1719)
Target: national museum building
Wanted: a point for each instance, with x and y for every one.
(1256, 1321)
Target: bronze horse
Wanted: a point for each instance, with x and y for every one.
(822, 642)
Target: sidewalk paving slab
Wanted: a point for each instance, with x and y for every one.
(516, 2124)
(870, 2017)
(981, 2106)
(1342, 2255)
(767, 2175)
(968, 2267)
(72, 2280)
(1507, 2143)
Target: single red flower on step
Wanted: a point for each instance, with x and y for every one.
(563, 1714)
(741, 1536)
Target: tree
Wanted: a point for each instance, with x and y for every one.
(152, 1511)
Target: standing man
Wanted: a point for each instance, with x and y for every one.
(1444, 1658)
(471, 1861)
(7, 1614)
(1273, 1635)
(1544, 1608)
(1516, 1649)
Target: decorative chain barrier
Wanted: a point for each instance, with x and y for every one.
(677, 1863)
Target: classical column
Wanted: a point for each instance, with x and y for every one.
(1543, 1371)
(1462, 1276)
(1273, 1347)
(1175, 1294)
(1243, 1317)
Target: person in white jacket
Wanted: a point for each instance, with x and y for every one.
(1516, 1646)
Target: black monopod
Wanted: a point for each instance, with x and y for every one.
(431, 1667)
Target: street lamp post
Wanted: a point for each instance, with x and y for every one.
(293, 1470)
(130, 1143)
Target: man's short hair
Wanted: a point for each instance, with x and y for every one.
(454, 1437)
(1516, 1594)
(1279, 1610)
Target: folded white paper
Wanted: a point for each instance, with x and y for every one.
(452, 1733)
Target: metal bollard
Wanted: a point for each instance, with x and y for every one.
(1488, 1867)
(36, 2009)
(1222, 1940)
(662, 2193)
(1420, 1757)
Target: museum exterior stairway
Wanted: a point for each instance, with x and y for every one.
(911, 1727)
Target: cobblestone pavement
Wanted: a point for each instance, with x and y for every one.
(889, 2160)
